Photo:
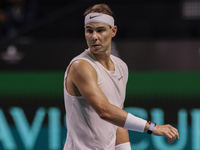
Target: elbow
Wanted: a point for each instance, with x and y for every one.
(104, 114)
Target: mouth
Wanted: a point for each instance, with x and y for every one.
(95, 45)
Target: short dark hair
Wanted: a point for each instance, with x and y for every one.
(100, 8)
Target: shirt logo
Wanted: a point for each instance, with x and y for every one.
(94, 16)
(120, 78)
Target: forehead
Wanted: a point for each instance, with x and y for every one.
(96, 25)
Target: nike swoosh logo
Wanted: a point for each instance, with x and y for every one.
(94, 16)
(120, 78)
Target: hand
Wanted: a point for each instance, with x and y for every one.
(166, 130)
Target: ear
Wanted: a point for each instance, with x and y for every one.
(114, 31)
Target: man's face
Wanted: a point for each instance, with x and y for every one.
(99, 36)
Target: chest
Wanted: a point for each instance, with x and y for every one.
(113, 85)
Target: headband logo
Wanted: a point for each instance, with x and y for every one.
(100, 17)
(94, 16)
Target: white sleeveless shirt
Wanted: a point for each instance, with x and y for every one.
(85, 129)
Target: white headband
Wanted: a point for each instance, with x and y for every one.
(99, 17)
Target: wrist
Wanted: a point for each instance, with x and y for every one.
(149, 127)
(146, 128)
(134, 123)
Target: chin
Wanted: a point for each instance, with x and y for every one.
(95, 49)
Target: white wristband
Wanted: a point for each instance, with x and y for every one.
(134, 123)
(124, 146)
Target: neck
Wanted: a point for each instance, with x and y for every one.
(105, 60)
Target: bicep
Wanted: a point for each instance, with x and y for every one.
(84, 76)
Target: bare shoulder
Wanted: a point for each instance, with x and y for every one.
(81, 65)
(82, 69)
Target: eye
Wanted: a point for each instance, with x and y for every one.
(100, 30)
(89, 31)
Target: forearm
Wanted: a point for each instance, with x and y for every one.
(128, 121)
(114, 115)
(123, 119)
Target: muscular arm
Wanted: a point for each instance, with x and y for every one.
(83, 76)
(82, 80)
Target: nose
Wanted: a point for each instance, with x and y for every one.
(94, 36)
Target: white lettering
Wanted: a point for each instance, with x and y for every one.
(28, 133)
(195, 124)
(54, 129)
(6, 137)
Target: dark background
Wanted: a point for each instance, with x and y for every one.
(158, 39)
(136, 19)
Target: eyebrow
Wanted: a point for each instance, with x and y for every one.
(96, 28)
(87, 26)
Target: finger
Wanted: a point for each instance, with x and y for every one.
(175, 132)
(172, 137)
(169, 134)
(170, 141)
(177, 136)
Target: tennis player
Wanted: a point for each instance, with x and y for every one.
(94, 92)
